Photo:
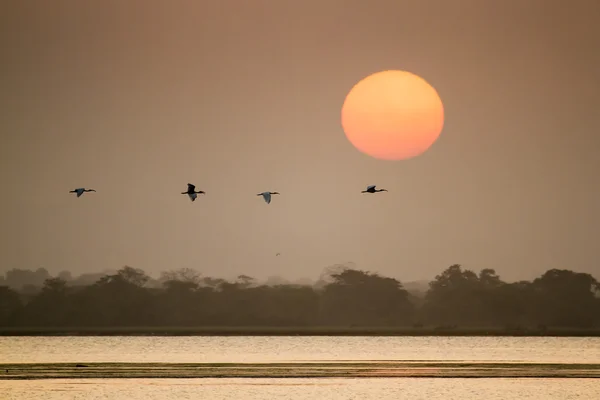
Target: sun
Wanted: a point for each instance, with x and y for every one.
(392, 115)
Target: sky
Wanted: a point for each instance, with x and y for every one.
(136, 99)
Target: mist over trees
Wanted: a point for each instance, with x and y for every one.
(342, 297)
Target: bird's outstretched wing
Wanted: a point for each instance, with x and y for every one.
(191, 187)
(371, 187)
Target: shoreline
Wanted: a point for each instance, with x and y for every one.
(389, 369)
(294, 331)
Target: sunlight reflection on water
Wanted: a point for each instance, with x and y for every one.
(322, 389)
(297, 348)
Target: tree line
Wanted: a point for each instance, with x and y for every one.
(343, 297)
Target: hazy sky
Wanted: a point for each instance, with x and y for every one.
(137, 98)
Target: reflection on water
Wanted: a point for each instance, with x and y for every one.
(290, 349)
(300, 348)
(321, 389)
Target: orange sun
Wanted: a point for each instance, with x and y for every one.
(392, 115)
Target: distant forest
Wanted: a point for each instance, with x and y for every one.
(342, 297)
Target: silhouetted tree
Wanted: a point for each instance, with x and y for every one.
(342, 296)
(453, 297)
(362, 298)
(18, 278)
(10, 306)
(566, 298)
(51, 307)
(65, 276)
(182, 274)
(118, 299)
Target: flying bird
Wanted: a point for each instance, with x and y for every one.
(267, 196)
(371, 189)
(80, 191)
(191, 192)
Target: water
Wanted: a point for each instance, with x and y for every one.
(300, 348)
(304, 389)
(291, 349)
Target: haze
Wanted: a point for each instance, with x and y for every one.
(136, 99)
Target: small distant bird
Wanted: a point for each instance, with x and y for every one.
(191, 192)
(80, 191)
(371, 189)
(277, 254)
(267, 196)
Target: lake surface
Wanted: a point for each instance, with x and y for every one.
(304, 389)
(237, 349)
(261, 349)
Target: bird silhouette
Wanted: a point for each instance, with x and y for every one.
(267, 196)
(80, 191)
(191, 192)
(371, 189)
